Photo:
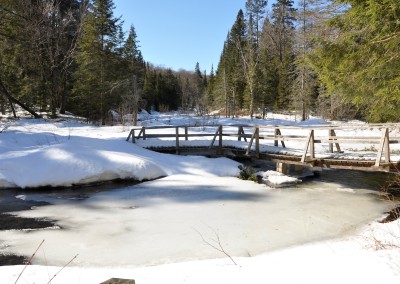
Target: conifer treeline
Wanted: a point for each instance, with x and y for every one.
(336, 58)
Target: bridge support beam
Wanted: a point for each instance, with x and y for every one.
(289, 168)
(282, 168)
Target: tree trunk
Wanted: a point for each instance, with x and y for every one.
(11, 99)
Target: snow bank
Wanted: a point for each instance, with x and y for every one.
(37, 153)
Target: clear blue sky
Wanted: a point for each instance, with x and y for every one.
(179, 33)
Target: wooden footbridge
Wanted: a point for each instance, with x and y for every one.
(359, 147)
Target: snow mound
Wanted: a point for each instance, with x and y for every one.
(37, 153)
(277, 179)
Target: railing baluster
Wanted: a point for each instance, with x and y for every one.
(383, 147)
(310, 142)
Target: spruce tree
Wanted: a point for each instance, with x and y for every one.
(230, 79)
(256, 9)
(211, 87)
(98, 62)
(305, 91)
(37, 44)
(360, 57)
(283, 17)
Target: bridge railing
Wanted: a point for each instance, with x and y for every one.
(305, 137)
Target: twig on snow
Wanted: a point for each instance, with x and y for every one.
(216, 244)
(29, 261)
(69, 262)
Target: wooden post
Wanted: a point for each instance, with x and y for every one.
(219, 133)
(312, 145)
(278, 133)
(257, 141)
(220, 136)
(282, 168)
(131, 134)
(309, 144)
(383, 147)
(186, 133)
(332, 134)
(255, 133)
(143, 132)
(241, 133)
(177, 139)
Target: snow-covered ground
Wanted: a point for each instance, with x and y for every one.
(162, 231)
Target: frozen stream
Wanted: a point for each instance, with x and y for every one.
(168, 220)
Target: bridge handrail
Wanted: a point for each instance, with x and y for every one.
(310, 139)
(284, 126)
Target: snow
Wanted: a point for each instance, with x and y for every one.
(155, 232)
(277, 178)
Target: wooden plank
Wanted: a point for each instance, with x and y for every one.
(170, 135)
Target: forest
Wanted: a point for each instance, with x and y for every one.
(339, 59)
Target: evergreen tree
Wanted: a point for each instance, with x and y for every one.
(256, 10)
(149, 87)
(360, 57)
(131, 76)
(162, 89)
(269, 72)
(305, 92)
(230, 82)
(250, 57)
(283, 17)
(98, 62)
(211, 87)
(38, 41)
(199, 92)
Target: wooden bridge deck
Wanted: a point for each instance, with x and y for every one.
(325, 146)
